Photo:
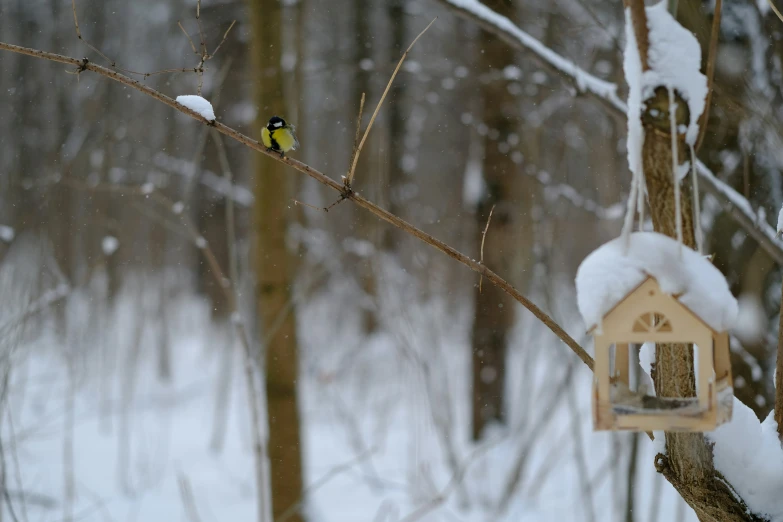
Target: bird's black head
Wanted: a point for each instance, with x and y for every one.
(275, 122)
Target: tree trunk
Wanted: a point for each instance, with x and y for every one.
(494, 309)
(368, 229)
(273, 271)
(688, 463)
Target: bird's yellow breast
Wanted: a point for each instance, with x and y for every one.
(284, 138)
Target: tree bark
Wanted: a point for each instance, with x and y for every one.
(494, 310)
(273, 271)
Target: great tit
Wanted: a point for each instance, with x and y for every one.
(279, 136)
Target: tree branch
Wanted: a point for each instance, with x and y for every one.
(605, 92)
(355, 159)
(710, 70)
(85, 65)
(779, 377)
(502, 27)
(639, 22)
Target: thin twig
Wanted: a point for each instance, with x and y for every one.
(655, 498)
(195, 173)
(225, 35)
(202, 40)
(779, 377)
(696, 204)
(192, 45)
(186, 495)
(379, 212)
(79, 35)
(456, 479)
(711, 57)
(319, 209)
(775, 10)
(318, 484)
(23, 497)
(383, 97)
(352, 170)
(631, 481)
(342, 198)
(225, 166)
(3, 466)
(69, 478)
(223, 394)
(483, 237)
(580, 456)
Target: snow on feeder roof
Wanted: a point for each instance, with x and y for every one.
(611, 272)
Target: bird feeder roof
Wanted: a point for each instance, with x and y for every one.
(611, 272)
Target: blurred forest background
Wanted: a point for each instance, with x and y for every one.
(394, 388)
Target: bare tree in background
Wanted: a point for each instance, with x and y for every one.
(274, 273)
(494, 309)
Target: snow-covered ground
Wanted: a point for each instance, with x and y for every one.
(385, 422)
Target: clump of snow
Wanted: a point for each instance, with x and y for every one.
(609, 273)
(110, 244)
(197, 104)
(751, 321)
(632, 67)
(780, 222)
(674, 60)
(749, 455)
(178, 207)
(7, 233)
(147, 189)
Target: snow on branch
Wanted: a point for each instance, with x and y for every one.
(673, 60)
(198, 104)
(505, 29)
(748, 454)
(741, 210)
(738, 207)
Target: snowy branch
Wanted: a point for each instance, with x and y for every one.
(584, 82)
(84, 64)
(731, 201)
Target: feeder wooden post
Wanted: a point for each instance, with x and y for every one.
(621, 371)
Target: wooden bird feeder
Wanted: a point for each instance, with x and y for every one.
(647, 314)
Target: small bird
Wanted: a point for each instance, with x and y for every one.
(279, 136)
